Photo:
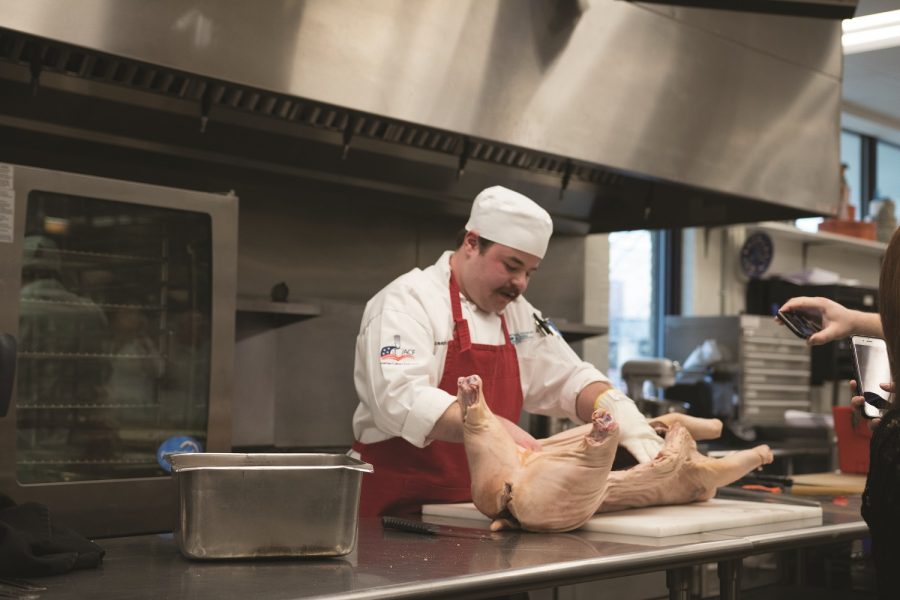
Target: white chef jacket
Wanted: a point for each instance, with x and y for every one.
(402, 344)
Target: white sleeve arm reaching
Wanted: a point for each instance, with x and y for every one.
(635, 433)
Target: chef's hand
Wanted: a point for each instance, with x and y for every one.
(635, 434)
(858, 401)
(520, 436)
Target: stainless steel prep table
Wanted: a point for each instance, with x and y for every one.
(394, 564)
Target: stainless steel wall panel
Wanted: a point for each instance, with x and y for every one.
(314, 392)
(256, 362)
(294, 381)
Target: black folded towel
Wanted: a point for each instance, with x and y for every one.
(31, 546)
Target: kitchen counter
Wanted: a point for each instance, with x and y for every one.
(394, 564)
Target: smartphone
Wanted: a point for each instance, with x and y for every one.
(870, 358)
(800, 324)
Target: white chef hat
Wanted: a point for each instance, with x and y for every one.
(509, 218)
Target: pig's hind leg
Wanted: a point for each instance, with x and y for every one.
(679, 474)
(716, 472)
(491, 452)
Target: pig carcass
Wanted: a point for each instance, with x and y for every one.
(556, 489)
(560, 487)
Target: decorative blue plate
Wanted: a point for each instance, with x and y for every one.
(756, 254)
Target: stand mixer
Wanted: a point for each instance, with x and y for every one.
(660, 373)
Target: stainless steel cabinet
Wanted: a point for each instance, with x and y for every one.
(764, 369)
(775, 368)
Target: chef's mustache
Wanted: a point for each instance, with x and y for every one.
(510, 291)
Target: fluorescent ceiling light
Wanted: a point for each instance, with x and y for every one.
(871, 32)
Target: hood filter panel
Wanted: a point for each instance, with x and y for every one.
(40, 55)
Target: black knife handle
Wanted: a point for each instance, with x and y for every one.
(414, 526)
(407, 525)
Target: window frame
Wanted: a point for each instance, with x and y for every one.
(877, 194)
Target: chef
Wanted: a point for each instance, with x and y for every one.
(464, 315)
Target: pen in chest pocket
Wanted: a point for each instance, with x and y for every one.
(544, 326)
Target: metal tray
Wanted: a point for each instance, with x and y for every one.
(266, 505)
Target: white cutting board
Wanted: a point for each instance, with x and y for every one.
(663, 521)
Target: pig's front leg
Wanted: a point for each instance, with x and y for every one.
(700, 429)
(560, 488)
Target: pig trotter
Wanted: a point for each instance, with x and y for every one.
(505, 521)
(469, 389)
(602, 426)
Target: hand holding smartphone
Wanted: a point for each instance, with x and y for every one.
(800, 324)
(872, 369)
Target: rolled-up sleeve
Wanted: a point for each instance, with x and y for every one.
(397, 377)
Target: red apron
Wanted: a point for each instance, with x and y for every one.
(406, 477)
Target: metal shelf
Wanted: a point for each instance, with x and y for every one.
(575, 332)
(278, 313)
(807, 238)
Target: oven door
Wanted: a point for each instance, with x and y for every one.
(120, 298)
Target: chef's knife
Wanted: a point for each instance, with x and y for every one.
(768, 497)
(781, 481)
(435, 529)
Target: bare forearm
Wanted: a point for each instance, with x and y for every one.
(584, 403)
(868, 324)
(837, 320)
(449, 428)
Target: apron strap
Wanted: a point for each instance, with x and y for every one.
(460, 326)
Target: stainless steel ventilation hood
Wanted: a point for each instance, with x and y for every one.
(613, 115)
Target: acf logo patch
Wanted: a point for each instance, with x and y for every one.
(395, 354)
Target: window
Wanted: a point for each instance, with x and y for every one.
(633, 309)
(887, 180)
(851, 155)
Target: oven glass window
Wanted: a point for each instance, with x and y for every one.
(114, 337)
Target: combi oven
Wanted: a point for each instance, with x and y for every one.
(120, 299)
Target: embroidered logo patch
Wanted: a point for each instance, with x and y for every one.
(396, 354)
(517, 338)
